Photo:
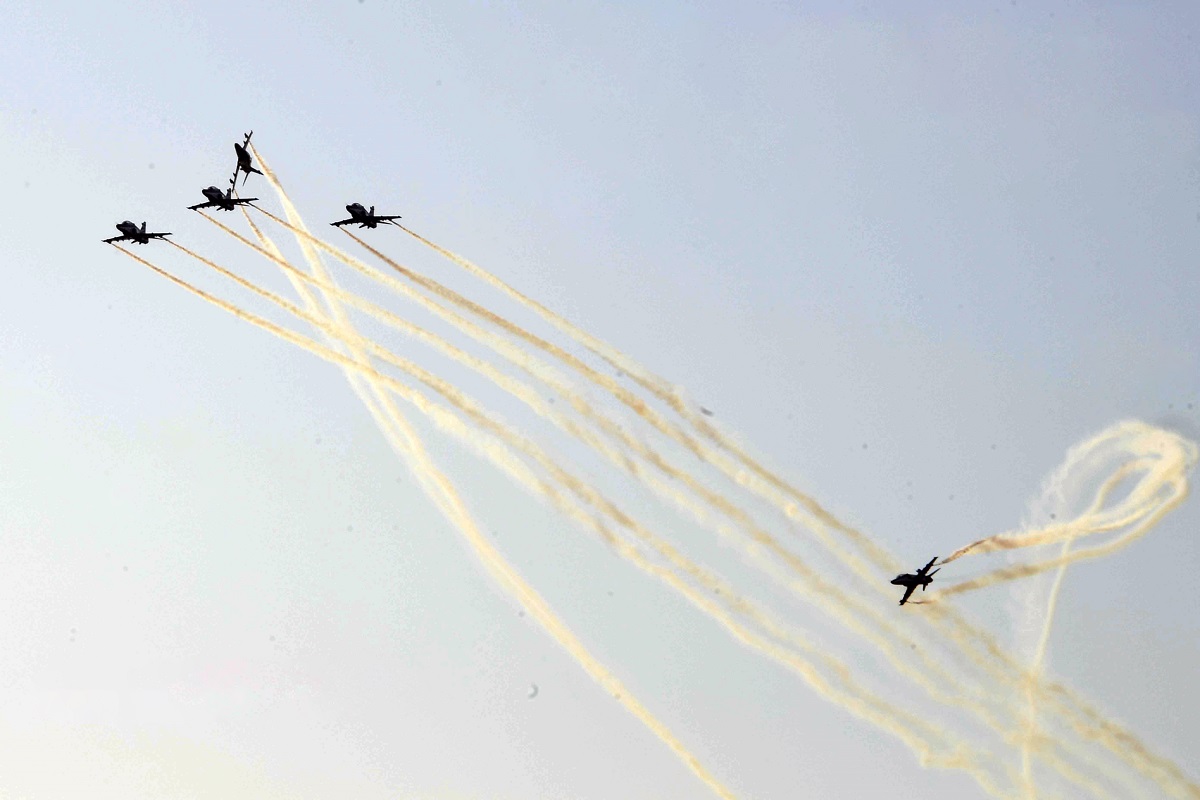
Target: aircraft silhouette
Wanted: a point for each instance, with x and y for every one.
(243, 157)
(923, 577)
(363, 217)
(131, 232)
(224, 200)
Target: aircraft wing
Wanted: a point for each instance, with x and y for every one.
(117, 239)
(199, 206)
(388, 219)
(908, 590)
(344, 222)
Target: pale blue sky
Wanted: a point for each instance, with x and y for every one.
(838, 225)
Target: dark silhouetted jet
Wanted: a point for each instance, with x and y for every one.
(220, 199)
(363, 217)
(910, 582)
(130, 232)
(243, 156)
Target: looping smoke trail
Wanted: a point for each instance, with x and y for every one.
(1161, 460)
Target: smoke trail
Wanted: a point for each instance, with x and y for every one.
(981, 649)
(621, 393)
(916, 733)
(665, 392)
(1107, 725)
(951, 622)
(922, 750)
(1164, 461)
(958, 628)
(980, 659)
(501, 570)
(1035, 673)
(813, 587)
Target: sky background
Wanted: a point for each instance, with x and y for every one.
(909, 256)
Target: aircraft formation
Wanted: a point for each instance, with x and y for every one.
(365, 217)
(215, 198)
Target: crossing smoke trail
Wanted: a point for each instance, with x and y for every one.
(814, 587)
(672, 482)
(446, 497)
(810, 663)
(936, 683)
(979, 646)
(830, 678)
(1102, 795)
(509, 578)
(768, 484)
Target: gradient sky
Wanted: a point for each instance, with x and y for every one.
(909, 256)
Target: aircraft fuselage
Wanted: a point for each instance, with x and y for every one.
(908, 579)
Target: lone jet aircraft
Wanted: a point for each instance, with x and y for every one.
(224, 200)
(131, 232)
(910, 582)
(243, 157)
(363, 217)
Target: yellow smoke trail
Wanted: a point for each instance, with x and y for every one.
(708, 581)
(636, 404)
(577, 486)
(671, 395)
(930, 677)
(1035, 674)
(412, 369)
(915, 732)
(981, 649)
(1164, 460)
(502, 571)
(979, 658)
(813, 587)
(951, 622)
(902, 724)
(817, 518)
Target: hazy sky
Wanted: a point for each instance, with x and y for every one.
(910, 257)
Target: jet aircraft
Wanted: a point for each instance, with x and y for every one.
(923, 577)
(243, 157)
(224, 200)
(364, 218)
(131, 232)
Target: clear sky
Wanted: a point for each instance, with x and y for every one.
(909, 256)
